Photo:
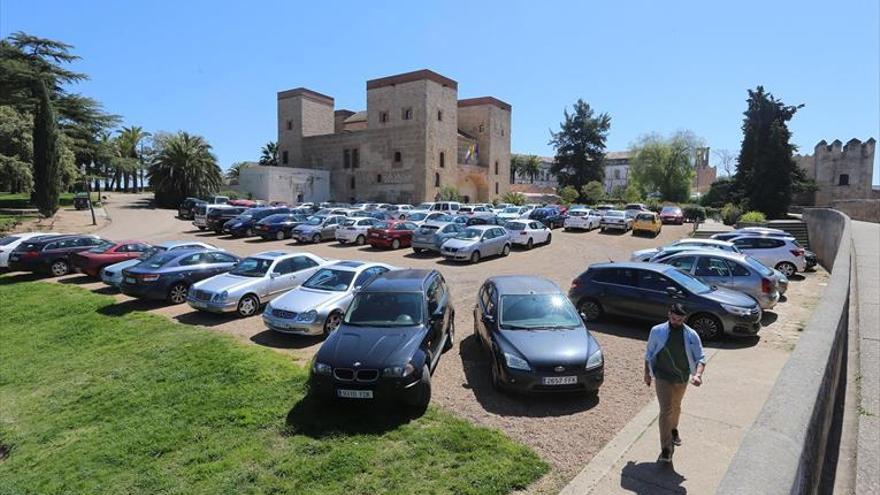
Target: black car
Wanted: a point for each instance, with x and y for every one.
(535, 338)
(550, 216)
(50, 254)
(279, 225)
(187, 208)
(646, 290)
(244, 225)
(217, 217)
(389, 342)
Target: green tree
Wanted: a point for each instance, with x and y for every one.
(568, 195)
(580, 146)
(767, 175)
(233, 172)
(269, 154)
(16, 150)
(184, 166)
(513, 198)
(617, 192)
(129, 144)
(593, 192)
(515, 166)
(530, 168)
(665, 165)
(721, 192)
(449, 193)
(633, 193)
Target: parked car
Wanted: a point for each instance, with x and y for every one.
(420, 218)
(477, 242)
(255, 281)
(279, 225)
(112, 274)
(318, 228)
(245, 224)
(167, 276)
(535, 338)
(648, 222)
(615, 220)
(399, 211)
(354, 230)
(389, 342)
(93, 260)
(391, 234)
(732, 271)
(550, 216)
(683, 244)
(635, 207)
(512, 212)
(781, 253)
(528, 233)
(476, 211)
(431, 235)
(582, 219)
(316, 307)
(672, 214)
(467, 221)
(201, 212)
(10, 242)
(186, 210)
(50, 254)
(450, 207)
(603, 209)
(753, 231)
(217, 217)
(646, 290)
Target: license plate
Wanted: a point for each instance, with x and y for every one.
(199, 304)
(130, 280)
(354, 394)
(374, 235)
(14, 257)
(559, 380)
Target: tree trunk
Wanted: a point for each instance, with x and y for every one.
(45, 135)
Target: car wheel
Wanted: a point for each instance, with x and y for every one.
(360, 240)
(506, 250)
(602, 229)
(495, 376)
(316, 238)
(530, 244)
(549, 238)
(421, 394)
(707, 326)
(280, 235)
(787, 269)
(451, 340)
(395, 244)
(249, 232)
(177, 293)
(248, 306)
(202, 228)
(591, 309)
(565, 229)
(332, 322)
(59, 268)
(475, 257)
(417, 250)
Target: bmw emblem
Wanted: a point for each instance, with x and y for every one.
(559, 369)
(357, 363)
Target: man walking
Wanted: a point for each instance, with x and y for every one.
(673, 358)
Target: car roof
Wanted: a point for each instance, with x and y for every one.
(657, 267)
(762, 236)
(484, 226)
(172, 244)
(273, 254)
(355, 266)
(524, 284)
(694, 240)
(407, 280)
(714, 252)
(52, 238)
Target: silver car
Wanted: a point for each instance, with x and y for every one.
(615, 219)
(316, 307)
(781, 253)
(431, 235)
(255, 281)
(477, 242)
(687, 243)
(731, 271)
(112, 274)
(318, 228)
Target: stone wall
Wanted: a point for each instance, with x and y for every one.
(865, 210)
(842, 172)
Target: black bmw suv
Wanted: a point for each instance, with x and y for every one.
(389, 342)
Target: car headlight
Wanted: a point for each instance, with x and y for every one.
(307, 317)
(321, 368)
(399, 371)
(516, 362)
(595, 360)
(220, 296)
(737, 310)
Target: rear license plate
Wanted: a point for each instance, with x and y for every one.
(130, 280)
(354, 394)
(14, 257)
(559, 380)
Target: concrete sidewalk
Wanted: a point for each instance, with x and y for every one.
(713, 422)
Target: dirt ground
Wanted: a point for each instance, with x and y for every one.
(565, 431)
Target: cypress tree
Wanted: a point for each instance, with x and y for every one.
(46, 177)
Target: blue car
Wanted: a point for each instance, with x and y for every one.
(245, 224)
(167, 276)
(279, 226)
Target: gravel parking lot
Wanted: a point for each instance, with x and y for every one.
(566, 431)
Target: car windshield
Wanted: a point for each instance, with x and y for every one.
(276, 218)
(102, 248)
(330, 279)
(537, 311)
(515, 226)
(8, 240)
(252, 267)
(470, 234)
(513, 209)
(672, 210)
(758, 266)
(577, 213)
(315, 221)
(645, 216)
(614, 213)
(688, 282)
(385, 309)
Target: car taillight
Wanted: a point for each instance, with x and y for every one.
(797, 252)
(149, 277)
(30, 254)
(765, 285)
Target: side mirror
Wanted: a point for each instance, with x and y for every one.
(488, 319)
(673, 292)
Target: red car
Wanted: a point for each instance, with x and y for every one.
(671, 214)
(393, 233)
(91, 261)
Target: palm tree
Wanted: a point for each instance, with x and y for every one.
(269, 154)
(531, 168)
(516, 163)
(129, 147)
(184, 166)
(233, 172)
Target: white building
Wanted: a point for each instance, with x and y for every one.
(286, 184)
(616, 169)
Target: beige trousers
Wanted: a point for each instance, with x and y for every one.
(669, 395)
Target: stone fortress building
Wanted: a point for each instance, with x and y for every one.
(414, 138)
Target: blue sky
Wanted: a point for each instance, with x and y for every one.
(213, 67)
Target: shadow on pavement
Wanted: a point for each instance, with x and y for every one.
(125, 307)
(477, 365)
(319, 419)
(6, 279)
(106, 290)
(796, 278)
(768, 318)
(205, 319)
(646, 478)
(640, 329)
(77, 280)
(276, 340)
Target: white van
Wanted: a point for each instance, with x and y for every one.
(200, 219)
(450, 207)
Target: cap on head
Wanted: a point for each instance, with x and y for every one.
(677, 309)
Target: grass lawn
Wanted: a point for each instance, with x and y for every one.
(23, 200)
(95, 398)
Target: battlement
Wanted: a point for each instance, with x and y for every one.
(852, 147)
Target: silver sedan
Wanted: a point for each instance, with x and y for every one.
(256, 280)
(316, 307)
(477, 242)
(732, 271)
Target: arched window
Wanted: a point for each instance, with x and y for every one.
(436, 179)
(844, 180)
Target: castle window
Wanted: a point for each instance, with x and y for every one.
(844, 180)
(496, 188)
(355, 158)
(284, 157)
(383, 117)
(351, 183)
(436, 179)
(289, 125)
(379, 178)
(439, 114)
(442, 159)
(502, 131)
(481, 127)
(407, 113)
(397, 158)
(346, 159)
(496, 167)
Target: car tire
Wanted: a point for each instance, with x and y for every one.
(787, 269)
(249, 232)
(316, 238)
(202, 228)
(602, 229)
(421, 394)
(360, 240)
(591, 309)
(279, 235)
(177, 293)
(707, 326)
(566, 229)
(395, 244)
(59, 268)
(530, 244)
(248, 305)
(505, 250)
(475, 257)
(494, 376)
(549, 239)
(417, 250)
(450, 342)
(334, 319)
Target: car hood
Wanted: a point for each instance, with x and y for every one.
(373, 347)
(303, 299)
(550, 347)
(731, 297)
(304, 227)
(228, 282)
(460, 243)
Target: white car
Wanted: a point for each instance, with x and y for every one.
(616, 220)
(112, 274)
(781, 253)
(528, 232)
(512, 212)
(354, 230)
(582, 219)
(475, 211)
(682, 244)
(10, 242)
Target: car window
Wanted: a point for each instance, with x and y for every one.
(620, 276)
(367, 274)
(217, 257)
(367, 222)
(685, 263)
(330, 279)
(709, 266)
(285, 266)
(650, 280)
(737, 270)
(745, 242)
(411, 226)
(303, 263)
(770, 243)
(189, 260)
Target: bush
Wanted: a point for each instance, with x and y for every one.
(514, 198)
(713, 213)
(693, 213)
(730, 214)
(568, 195)
(654, 205)
(752, 217)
